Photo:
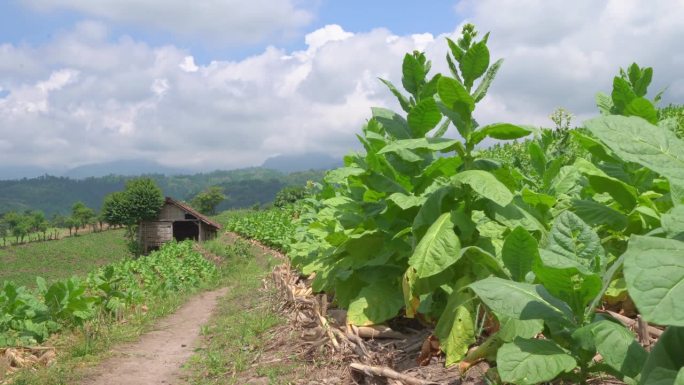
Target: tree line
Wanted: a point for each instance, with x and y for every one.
(33, 225)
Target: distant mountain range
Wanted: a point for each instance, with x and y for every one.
(133, 167)
(123, 167)
(302, 162)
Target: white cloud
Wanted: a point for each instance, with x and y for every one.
(94, 99)
(188, 64)
(232, 21)
(85, 97)
(561, 54)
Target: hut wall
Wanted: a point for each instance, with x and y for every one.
(206, 232)
(154, 234)
(171, 213)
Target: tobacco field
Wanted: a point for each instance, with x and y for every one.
(520, 254)
(30, 316)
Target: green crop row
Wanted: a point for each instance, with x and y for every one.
(425, 226)
(31, 316)
(274, 227)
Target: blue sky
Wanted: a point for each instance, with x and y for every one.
(21, 23)
(230, 83)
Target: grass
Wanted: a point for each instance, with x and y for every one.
(61, 259)
(242, 325)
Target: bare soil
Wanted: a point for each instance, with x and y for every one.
(158, 356)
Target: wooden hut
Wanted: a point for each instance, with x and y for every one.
(176, 220)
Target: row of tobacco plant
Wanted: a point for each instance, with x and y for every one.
(30, 316)
(426, 226)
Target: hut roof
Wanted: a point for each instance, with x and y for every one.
(192, 211)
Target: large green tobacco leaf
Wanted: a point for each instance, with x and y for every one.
(596, 214)
(424, 117)
(530, 361)
(535, 199)
(503, 131)
(673, 223)
(481, 262)
(618, 347)
(486, 185)
(636, 140)
(665, 364)
(456, 327)
(376, 303)
(622, 93)
(432, 144)
(474, 63)
(405, 105)
(520, 251)
(568, 280)
(515, 214)
(643, 108)
(521, 301)
(406, 202)
(537, 157)
(604, 103)
(577, 241)
(482, 88)
(438, 249)
(455, 97)
(511, 328)
(413, 74)
(430, 88)
(431, 209)
(340, 175)
(623, 193)
(654, 271)
(565, 181)
(393, 123)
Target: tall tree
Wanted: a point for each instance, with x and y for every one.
(140, 200)
(206, 201)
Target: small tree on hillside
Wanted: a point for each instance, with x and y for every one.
(58, 221)
(19, 225)
(141, 200)
(39, 224)
(72, 224)
(206, 201)
(82, 214)
(289, 195)
(4, 231)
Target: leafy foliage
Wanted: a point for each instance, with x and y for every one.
(537, 235)
(29, 317)
(274, 227)
(206, 201)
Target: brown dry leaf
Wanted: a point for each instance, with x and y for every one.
(429, 349)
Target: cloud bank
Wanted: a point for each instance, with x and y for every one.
(86, 96)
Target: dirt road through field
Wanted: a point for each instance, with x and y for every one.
(157, 357)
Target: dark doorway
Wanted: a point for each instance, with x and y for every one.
(185, 230)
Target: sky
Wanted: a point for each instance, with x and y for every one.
(209, 84)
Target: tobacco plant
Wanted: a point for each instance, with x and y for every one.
(555, 289)
(632, 187)
(418, 217)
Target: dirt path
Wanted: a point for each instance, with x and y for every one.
(157, 357)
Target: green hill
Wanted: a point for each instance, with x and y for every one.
(52, 195)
